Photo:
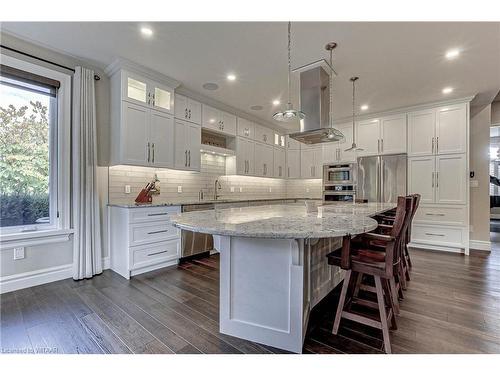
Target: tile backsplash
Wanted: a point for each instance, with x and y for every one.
(212, 167)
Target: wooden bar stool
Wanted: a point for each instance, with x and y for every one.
(360, 259)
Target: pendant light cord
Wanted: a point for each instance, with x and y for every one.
(331, 89)
(289, 105)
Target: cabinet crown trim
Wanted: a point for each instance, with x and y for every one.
(124, 64)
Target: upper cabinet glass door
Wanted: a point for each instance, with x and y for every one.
(163, 99)
(137, 90)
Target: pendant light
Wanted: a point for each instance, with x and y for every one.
(354, 147)
(289, 114)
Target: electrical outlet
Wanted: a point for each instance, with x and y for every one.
(127, 189)
(179, 189)
(241, 189)
(18, 253)
(232, 189)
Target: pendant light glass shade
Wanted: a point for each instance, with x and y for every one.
(289, 114)
(354, 146)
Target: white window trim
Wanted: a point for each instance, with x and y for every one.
(9, 236)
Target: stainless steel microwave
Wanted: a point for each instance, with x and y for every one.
(335, 174)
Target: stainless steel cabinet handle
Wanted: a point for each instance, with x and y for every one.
(432, 179)
(432, 145)
(265, 169)
(159, 252)
(189, 155)
(429, 214)
(158, 231)
(435, 234)
(153, 147)
(378, 145)
(189, 113)
(186, 158)
(159, 214)
(437, 179)
(186, 113)
(288, 171)
(149, 152)
(381, 145)
(437, 145)
(264, 137)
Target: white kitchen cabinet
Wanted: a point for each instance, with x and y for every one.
(188, 142)
(382, 136)
(393, 134)
(145, 137)
(421, 178)
(245, 156)
(264, 160)
(438, 131)
(334, 152)
(161, 138)
(279, 162)
(368, 137)
(220, 121)
(451, 130)
(279, 140)
(311, 162)
(264, 134)
(142, 91)
(451, 179)
(292, 144)
(293, 163)
(438, 179)
(187, 109)
(245, 128)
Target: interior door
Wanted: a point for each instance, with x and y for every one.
(368, 186)
(134, 143)
(393, 177)
(451, 179)
(193, 134)
(368, 137)
(421, 177)
(161, 137)
(393, 135)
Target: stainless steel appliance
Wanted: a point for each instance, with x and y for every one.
(193, 243)
(339, 182)
(381, 178)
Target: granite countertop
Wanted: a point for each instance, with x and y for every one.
(284, 221)
(184, 202)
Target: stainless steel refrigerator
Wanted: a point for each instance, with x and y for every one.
(381, 178)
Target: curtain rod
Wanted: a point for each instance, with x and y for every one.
(96, 77)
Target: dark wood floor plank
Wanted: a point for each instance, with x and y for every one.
(103, 335)
(13, 335)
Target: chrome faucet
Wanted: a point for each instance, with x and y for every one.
(217, 185)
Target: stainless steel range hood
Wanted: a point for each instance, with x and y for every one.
(315, 103)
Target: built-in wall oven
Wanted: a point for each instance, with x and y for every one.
(339, 182)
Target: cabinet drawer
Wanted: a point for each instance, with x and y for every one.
(434, 235)
(147, 255)
(154, 232)
(443, 215)
(147, 214)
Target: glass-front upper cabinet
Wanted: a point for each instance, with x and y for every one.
(148, 93)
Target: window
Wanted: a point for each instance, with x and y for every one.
(33, 140)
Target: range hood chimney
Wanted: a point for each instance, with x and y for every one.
(315, 89)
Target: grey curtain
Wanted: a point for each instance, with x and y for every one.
(87, 251)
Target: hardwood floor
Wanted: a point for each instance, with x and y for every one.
(452, 305)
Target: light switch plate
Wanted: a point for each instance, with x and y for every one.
(232, 189)
(179, 189)
(18, 253)
(474, 183)
(241, 189)
(270, 190)
(307, 190)
(127, 189)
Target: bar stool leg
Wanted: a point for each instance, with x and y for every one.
(340, 307)
(383, 315)
(394, 295)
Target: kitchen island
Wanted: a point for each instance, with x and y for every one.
(273, 266)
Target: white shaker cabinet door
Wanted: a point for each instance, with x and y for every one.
(393, 135)
(421, 132)
(307, 163)
(161, 136)
(134, 134)
(293, 163)
(181, 145)
(421, 179)
(279, 162)
(193, 134)
(451, 179)
(193, 111)
(451, 130)
(368, 139)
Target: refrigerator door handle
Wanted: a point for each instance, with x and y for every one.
(381, 196)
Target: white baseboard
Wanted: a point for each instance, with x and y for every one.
(33, 278)
(480, 245)
(47, 275)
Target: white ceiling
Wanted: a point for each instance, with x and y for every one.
(399, 64)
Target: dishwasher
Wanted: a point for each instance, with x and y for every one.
(195, 244)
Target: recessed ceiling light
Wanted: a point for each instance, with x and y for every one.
(256, 108)
(210, 86)
(276, 102)
(146, 31)
(364, 107)
(231, 77)
(212, 121)
(447, 90)
(452, 53)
